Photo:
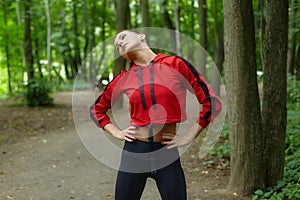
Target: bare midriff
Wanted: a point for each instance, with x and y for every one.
(142, 132)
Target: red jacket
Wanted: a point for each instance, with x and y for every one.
(157, 93)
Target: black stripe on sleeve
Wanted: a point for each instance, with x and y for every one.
(92, 114)
(92, 107)
(202, 85)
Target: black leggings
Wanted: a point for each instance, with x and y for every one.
(138, 163)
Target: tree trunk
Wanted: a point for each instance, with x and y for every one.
(218, 53)
(87, 40)
(76, 39)
(136, 9)
(27, 41)
(218, 59)
(18, 12)
(191, 47)
(145, 13)
(292, 39)
(72, 61)
(242, 98)
(48, 37)
(86, 26)
(215, 14)
(123, 22)
(262, 23)
(37, 55)
(297, 64)
(203, 35)
(122, 19)
(93, 16)
(6, 46)
(274, 112)
(122, 14)
(168, 22)
(177, 28)
(103, 52)
(63, 53)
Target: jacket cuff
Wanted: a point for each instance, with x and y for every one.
(203, 122)
(103, 123)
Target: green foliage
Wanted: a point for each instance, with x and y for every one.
(63, 35)
(222, 149)
(3, 81)
(289, 187)
(70, 86)
(38, 93)
(293, 91)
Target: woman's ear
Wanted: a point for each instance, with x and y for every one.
(142, 37)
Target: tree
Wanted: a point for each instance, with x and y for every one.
(103, 16)
(246, 166)
(145, 13)
(7, 46)
(261, 25)
(274, 111)
(77, 60)
(27, 41)
(18, 12)
(293, 39)
(191, 7)
(47, 10)
(37, 90)
(257, 143)
(86, 37)
(168, 22)
(63, 46)
(218, 52)
(203, 34)
(297, 63)
(177, 28)
(123, 22)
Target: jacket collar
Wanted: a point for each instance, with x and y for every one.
(158, 57)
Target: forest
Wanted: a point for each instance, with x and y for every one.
(255, 45)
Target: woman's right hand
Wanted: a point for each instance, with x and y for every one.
(127, 134)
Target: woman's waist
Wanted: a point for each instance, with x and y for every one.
(144, 133)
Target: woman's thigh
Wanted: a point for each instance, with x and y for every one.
(130, 186)
(171, 182)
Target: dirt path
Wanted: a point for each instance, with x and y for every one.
(57, 166)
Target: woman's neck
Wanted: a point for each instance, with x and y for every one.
(142, 57)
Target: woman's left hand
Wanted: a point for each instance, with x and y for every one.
(175, 140)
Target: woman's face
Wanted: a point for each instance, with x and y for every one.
(127, 41)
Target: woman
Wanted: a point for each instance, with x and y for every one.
(156, 86)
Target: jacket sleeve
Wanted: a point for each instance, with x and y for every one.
(104, 102)
(211, 104)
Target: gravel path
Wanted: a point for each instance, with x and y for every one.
(57, 166)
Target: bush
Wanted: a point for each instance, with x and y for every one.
(38, 93)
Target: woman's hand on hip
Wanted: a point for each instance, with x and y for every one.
(176, 140)
(181, 140)
(127, 134)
